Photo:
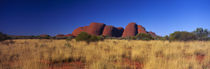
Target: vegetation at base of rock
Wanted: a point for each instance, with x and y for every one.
(3, 36)
(182, 36)
(143, 36)
(83, 36)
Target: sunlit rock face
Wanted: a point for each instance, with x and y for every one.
(95, 28)
(130, 30)
(79, 30)
(108, 31)
(141, 29)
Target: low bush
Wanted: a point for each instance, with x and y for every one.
(69, 38)
(44, 37)
(182, 36)
(83, 36)
(142, 36)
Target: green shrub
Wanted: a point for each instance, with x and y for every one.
(143, 36)
(69, 38)
(182, 36)
(132, 37)
(162, 38)
(83, 36)
(129, 38)
(3, 37)
(166, 37)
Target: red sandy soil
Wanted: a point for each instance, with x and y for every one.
(65, 65)
(80, 65)
(200, 57)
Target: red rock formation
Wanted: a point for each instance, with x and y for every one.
(112, 31)
(85, 28)
(79, 30)
(60, 35)
(69, 35)
(44, 35)
(108, 31)
(101, 29)
(152, 34)
(95, 28)
(130, 30)
(141, 29)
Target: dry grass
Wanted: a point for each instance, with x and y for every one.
(107, 54)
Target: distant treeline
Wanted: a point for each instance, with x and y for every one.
(198, 34)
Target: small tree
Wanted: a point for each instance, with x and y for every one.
(166, 37)
(201, 33)
(143, 36)
(182, 36)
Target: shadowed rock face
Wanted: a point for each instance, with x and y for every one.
(141, 29)
(152, 34)
(79, 30)
(120, 31)
(130, 30)
(95, 28)
(112, 31)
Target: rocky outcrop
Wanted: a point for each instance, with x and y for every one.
(130, 30)
(44, 35)
(112, 31)
(69, 35)
(79, 30)
(141, 29)
(60, 35)
(95, 28)
(106, 30)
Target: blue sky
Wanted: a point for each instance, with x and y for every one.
(34, 17)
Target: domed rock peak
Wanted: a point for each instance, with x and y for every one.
(130, 30)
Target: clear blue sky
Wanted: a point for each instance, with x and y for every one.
(34, 17)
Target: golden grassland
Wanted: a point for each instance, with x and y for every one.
(107, 54)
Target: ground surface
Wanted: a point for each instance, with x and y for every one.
(107, 54)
